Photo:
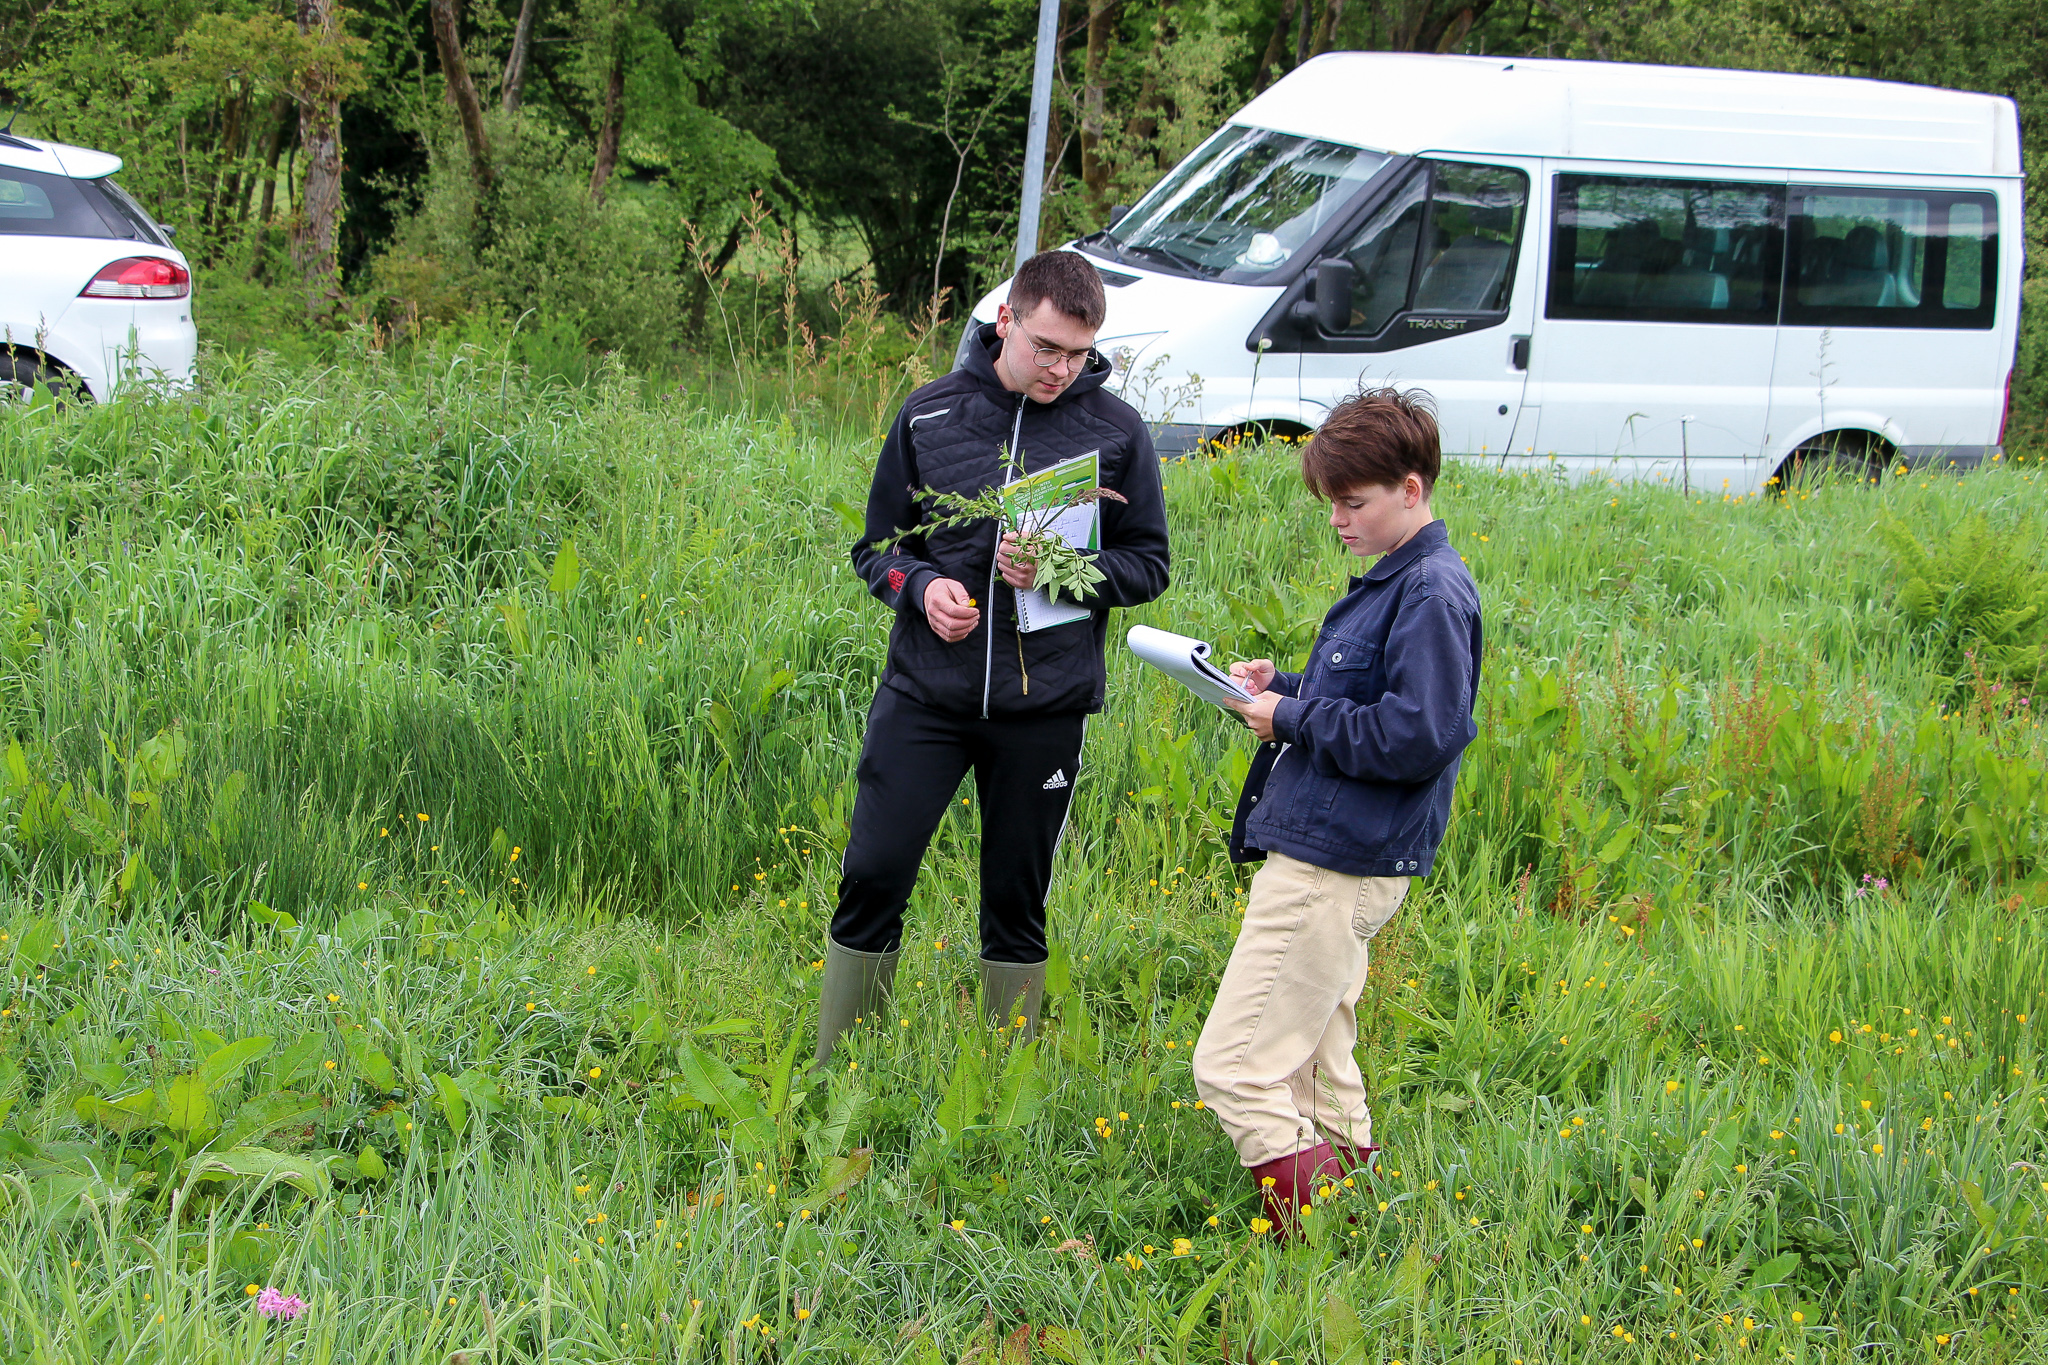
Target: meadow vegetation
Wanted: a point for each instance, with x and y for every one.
(422, 789)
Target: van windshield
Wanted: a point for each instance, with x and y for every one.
(1241, 205)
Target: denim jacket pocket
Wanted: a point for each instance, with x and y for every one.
(1352, 670)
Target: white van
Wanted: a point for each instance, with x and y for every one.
(1705, 276)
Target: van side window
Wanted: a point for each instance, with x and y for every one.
(1642, 250)
(1891, 258)
(1443, 242)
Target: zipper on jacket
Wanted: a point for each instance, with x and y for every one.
(1015, 461)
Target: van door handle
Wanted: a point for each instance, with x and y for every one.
(1518, 352)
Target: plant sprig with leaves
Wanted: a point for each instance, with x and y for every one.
(1062, 569)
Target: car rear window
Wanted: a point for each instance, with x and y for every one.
(126, 217)
(37, 205)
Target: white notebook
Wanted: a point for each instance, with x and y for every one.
(1186, 660)
(1080, 527)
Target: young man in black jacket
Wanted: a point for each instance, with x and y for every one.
(1346, 803)
(1030, 394)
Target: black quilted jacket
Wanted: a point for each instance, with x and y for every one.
(951, 436)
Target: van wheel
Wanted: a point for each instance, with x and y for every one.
(21, 376)
(1858, 457)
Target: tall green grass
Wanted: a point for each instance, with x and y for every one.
(487, 694)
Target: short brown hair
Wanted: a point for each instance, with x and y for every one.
(1066, 278)
(1375, 438)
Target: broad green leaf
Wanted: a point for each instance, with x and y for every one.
(1022, 1093)
(227, 1063)
(136, 880)
(187, 1107)
(568, 1106)
(111, 1075)
(298, 1058)
(448, 1098)
(715, 1083)
(960, 1107)
(779, 1074)
(265, 1115)
(17, 766)
(358, 926)
(1064, 1343)
(1078, 1041)
(124, 1115)
(1198, 1303)
(562, 579)
(827, 1138)
(370, 1164)
(276, 919)
(1618, 845)
(1775, 1271)
(1412, 1275)
(842, 1173)
(375, 1066)
(518, 635)
(1059, 971)
(304, 1174)
(36, 946)
(480, 1089)
(1343, 1332)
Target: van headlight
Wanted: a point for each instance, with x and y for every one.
(1123, 353)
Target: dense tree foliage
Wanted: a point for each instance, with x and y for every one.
(479, 140)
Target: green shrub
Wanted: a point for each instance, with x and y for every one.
(1977, 595)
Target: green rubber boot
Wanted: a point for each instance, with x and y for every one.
(856, 986)
(1010, 990)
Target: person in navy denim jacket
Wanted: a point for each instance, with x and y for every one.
(1346, 802)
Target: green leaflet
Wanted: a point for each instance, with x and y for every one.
(1022, 1092)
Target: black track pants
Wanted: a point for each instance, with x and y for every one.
(911, 764)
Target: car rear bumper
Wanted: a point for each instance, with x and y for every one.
(112, 343)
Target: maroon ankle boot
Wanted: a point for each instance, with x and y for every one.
(1288, 1184)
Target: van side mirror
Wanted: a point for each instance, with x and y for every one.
(1117, 212)
(1334, 279)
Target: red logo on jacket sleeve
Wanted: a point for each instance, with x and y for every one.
(896, 580)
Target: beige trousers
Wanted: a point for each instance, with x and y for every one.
(1275, 1057)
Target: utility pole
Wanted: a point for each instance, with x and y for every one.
(1034, 138)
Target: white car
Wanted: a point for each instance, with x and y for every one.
(92, 293)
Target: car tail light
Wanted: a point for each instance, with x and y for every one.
(139, 277)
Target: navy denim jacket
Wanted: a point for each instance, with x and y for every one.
(1368, 740)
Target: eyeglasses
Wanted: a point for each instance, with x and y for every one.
(1045, 357)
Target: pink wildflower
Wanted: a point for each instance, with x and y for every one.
(272, 1304)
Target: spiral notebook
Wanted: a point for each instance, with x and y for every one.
(1034, 501)
(1186, 660)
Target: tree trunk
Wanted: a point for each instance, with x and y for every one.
(232, 135)
(462, 91)
(1436, 27)
(1276, 46)
(1094, 167)
(1326, 30)
(319, 225)
(282, 124)
(522, 47)
(1144, 125)
(608, 123)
